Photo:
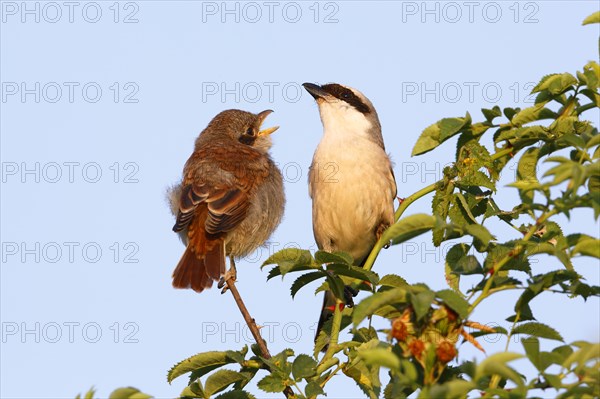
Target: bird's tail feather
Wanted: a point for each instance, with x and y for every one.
(326, 312)
(197, 271)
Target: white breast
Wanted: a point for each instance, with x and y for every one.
(352, 188)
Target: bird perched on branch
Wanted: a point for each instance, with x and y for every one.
(351, 181)
(230, 199)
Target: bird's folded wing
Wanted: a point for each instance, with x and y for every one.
(227, 207)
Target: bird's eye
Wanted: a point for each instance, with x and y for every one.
(250, 132)
(345, 95)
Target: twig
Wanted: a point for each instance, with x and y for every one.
(262, 345)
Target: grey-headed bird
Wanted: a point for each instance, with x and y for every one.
(351, 181)
(230, 199)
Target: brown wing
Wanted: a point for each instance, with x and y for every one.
(221, 177)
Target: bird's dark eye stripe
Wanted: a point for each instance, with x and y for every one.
(346, 95)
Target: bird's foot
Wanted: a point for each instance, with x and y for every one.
(230, 274)
(349, 294)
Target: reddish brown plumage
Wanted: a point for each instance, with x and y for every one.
(220, 183)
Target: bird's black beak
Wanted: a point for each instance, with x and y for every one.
(315, 90)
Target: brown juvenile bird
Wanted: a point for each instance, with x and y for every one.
(230, 199)
(352, 206)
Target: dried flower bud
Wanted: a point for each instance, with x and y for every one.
(445, 352)
(416, 347)
(399, 329)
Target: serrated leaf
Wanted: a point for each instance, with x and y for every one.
(452, 279)
(381, 357)
(272, 383)
(201, 364)
(194, 390)
(335, 257)
(371, 304)
(421, 303)
(491, 114)
(555, 83)
(459, 261)
(291, 259)
(477, 179)
(304, 280)
(481, 236)
(392, 280)
(436, 134)
(587, 247)
(236, 394)
(454, 302)
(539, 330)
(303, 366)
(220, 380)
(527, 173)
(534, 113)
(465, 207)
(408, 227)
(592, 19)
(497, 364)
(354, 272)
(128, 393)
(313, 389)
(456, 389)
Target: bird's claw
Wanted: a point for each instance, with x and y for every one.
(230, 274)
(349, 294)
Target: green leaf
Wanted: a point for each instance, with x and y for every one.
(392, 280)
(456, 389)
(88, 395)
(436, 134)
(381, 357)
(128, 393)
(313, 389)
(491, 114)
(272, 383)
(592, 19)
(532, 350)
(335, 257)
(238, 356)
(534, 113)
(194, 390)
(304, 366)
(354, 272)
(465, 207)
(236, 394)
(371, 304)
(497, 364)
(408, 227)
(200, 364)
(586, 352)
(527, 173)
(587, 247)
(476, 178)
(291, 259)
(421, 303)
(221, 379)
(555, 83)
(454, 302)
(459, 261)
(537, 330)
(336, 286)
(304, 280)
(481, 235)
(452, 279)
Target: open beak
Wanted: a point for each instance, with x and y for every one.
(261, 118)
(315, 90)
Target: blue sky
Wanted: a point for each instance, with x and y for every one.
(101, 103)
